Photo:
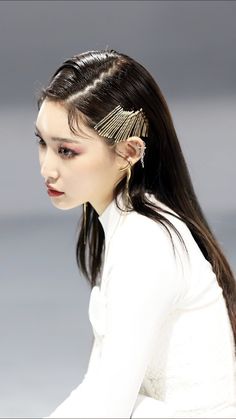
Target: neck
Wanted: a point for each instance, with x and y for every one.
(102, 204)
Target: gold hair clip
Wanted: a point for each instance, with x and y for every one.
(120, 124)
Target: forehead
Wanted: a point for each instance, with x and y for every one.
(52, 121)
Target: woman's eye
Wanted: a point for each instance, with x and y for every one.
(40, 141)
(67, 153)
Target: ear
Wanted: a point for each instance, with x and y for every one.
(131, 149)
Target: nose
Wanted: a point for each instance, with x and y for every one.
(48, 164)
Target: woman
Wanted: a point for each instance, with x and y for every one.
(163, 299)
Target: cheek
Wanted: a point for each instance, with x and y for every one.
(101, 168)
(90, 170)
(40, 155)
(93, 165)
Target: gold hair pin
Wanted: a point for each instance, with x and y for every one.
(120, 124)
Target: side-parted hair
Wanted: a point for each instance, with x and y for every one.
(94, 83)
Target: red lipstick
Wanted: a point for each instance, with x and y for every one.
(52, 191)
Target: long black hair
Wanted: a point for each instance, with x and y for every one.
(94, 83)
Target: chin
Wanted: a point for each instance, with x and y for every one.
(65, 206)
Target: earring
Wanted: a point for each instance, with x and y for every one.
(128, 199)
(127, 195)
(143, 148)
(84, 220)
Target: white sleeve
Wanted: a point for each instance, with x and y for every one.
(142, 288)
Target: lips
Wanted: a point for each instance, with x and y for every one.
(54, 193)
(52, 189)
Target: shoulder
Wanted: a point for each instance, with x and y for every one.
(164, 244)
(145, 239)
(143, 227)
(139, 228)
(143, 252)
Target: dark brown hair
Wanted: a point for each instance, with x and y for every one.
(94, 83)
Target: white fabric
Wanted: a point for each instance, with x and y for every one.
(163, 342)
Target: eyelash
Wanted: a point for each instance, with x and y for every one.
(41, 143)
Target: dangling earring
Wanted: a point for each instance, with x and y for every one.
(127, 195)
(142, 152)
(84, 220)
(128, 199)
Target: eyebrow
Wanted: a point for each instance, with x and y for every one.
(58, 139)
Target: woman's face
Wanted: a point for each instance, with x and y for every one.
(84, 168)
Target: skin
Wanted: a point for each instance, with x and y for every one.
(87, 169)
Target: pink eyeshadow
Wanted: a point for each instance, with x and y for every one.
(70, 147)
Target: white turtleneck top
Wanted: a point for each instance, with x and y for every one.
(163, 343)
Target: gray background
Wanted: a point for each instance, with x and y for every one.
(189, 48)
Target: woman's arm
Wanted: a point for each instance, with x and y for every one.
(141, 290)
